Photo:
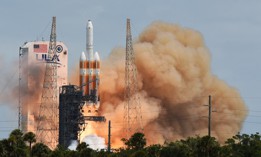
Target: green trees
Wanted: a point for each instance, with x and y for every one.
(84, 150)
(136, 142)
(192, 147)
(240, 145)
(154, 150)
(135, 145)
(174, 149)
(207, 146)
(2, 149)
(30, 138)
(243, 145)
(14, 145)
(40, 150)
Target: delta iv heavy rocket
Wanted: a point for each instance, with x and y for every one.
(90, 70)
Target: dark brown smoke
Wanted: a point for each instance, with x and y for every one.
(175, 80)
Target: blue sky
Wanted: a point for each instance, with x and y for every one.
(231, 30)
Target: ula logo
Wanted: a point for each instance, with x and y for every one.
(44, 57)
(54, 59)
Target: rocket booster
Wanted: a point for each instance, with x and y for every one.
(83, 74)
(90, 68)
(96, 83)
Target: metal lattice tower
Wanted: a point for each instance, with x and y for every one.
(132, 106)
(19, 101)
(47, 128)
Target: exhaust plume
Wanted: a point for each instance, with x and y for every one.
(95, 142)
(174, 80)
(73, 145)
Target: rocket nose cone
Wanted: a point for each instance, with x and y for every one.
(83, 57)
(89, 24)
(96, 56)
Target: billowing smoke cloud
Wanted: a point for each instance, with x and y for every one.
(31, 87)
(174, 80)
(31, 79)
(32, 76)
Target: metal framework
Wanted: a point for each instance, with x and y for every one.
(47, 128)
(95, 118)
(23, 86)
(71, 120)
(132, 107)
(19, 99)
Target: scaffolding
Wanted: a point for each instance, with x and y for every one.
(72, 122)
(47, 126)
(132, 106)
(71, 119)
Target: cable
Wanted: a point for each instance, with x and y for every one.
(8, 121)
(45, 28)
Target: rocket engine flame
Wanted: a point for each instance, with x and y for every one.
(174, 80)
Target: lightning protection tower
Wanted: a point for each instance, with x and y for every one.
(47, 128)
(132, 106)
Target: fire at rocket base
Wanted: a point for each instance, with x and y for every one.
(90, 70)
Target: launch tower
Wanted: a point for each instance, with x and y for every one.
(47, 127)
(132, 107)
(71, 119)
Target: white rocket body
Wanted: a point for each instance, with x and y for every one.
(90, 70)
(89, 40)
(89, 50)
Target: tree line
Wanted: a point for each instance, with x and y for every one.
(19, 144)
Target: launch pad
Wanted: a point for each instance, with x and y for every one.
(79, 104)
(95, 118)
(72, 121)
